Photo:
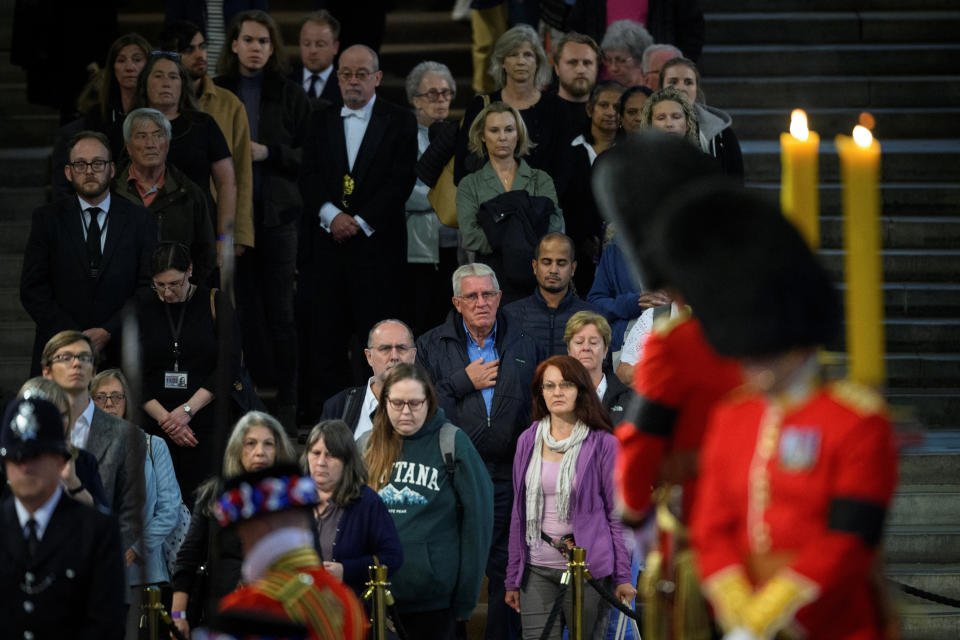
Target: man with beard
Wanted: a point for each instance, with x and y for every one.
(543, 315)
(390, 342)
(186, 39)
(86, 254)
(575, 60)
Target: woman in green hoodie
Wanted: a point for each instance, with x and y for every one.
(443, 509)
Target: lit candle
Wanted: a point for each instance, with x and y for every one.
(799, 195)
(860, 170)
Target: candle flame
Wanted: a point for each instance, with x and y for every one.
(862, 136)
(798, 125)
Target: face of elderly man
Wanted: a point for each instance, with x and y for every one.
(358, 77)
(390, 344)
(478, 303)
(148, 145)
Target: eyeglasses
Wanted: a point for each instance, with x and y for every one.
(67, 358)
(80, 166)
(563, 385)
(398, 405)
(387, 348)
(114, 398)
(160, 286)
(172, 54)
(473, 298)
(361, 75)
(617, 60)
(436, 96)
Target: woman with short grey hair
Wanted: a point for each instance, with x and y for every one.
(520, 68)
(623, 46)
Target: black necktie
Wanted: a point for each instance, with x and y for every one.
(94, 252)
(312, 91)
(32, 540)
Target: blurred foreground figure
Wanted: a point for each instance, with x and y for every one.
(796, 475)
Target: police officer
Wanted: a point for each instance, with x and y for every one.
(61, 573)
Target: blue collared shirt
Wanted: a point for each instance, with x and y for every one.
(489, 353)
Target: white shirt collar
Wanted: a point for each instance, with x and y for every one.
(324, 75)
(81, 428)
(104, 206)
(363, 112)
(272, 546)
(602, 387)
(370, 403)
(580, 140)
(41, 516)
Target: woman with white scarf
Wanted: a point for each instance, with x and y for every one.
(563, 495)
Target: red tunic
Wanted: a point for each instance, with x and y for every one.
(297, 587)
(680, 379)
(799, 492)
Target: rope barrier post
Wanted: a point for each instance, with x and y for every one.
(574, 576)
(377, 590)
(150, 606)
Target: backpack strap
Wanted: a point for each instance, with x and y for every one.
(362, 442)
(448, 448)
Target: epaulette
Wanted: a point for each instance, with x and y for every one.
(665, 324)
(857, 397)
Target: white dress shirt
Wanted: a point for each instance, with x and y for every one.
(322, 78)
(355, 123)
(602, 387)
(41, 516)
(101, 218)
(370, 404)
(81, 428)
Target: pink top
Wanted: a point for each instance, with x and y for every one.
(542, 554)
(635, 10)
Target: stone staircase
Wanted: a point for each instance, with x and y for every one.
(834, 58)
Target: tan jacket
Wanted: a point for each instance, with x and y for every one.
(230, 114)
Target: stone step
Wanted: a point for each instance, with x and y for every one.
(14, 371)
(930, 408)
(901, 232)
(400, 58)
(936, 460)
(904, 265)
(716, 6)
(807, 90)
(10, 72)
(16, 338)
(928, 621)
(893, 122)
(922, 543)
(902, 160)
(25, 166)
(11, 311)
(812, 27)
(917, 335)
(35, 127)
(10, 270)
(941, 579)
(910, 370)
(832, 59)
(898, 199)
(14, 236)
(19, 202)
(926, 504)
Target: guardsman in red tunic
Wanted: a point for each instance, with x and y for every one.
(796, 475)
(281, 569)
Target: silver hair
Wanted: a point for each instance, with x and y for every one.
(654, 48)
(627, 35)
(373, 55)
(146, 113)
(472, 270)
(511, 40)
(388, 321)
(415, 77)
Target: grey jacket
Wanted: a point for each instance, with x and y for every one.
(484, 184)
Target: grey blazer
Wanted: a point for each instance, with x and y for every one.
(120, 449)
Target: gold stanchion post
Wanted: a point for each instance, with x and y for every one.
(377, 590)
(151, 606)
(574, 577)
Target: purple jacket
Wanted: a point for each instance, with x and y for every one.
(595, 526)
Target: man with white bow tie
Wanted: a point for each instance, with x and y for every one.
(358, 170)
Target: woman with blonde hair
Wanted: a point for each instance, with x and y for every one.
(440, 500)
(670, 110)
(256, 442)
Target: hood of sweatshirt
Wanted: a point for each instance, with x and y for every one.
(712, 120)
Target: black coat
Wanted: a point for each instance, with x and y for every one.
(331, 90)
(284, 118)
(383, 177)
(345, 406)
(54, 285)
(76, 580)
(617, 398)
(442, 351)
(543, 324)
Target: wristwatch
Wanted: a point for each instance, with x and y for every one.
(187, 410)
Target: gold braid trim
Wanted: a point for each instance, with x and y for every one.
(729, 591)
(774, 606)
(302, 599)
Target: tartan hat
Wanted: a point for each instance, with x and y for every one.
(31, 426)
(753, 282)
(631, 180)
(263, 492)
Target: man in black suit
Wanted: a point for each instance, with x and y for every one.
(358, 170)
(86, 254)
(390, 342)
(319, 43)
(60, 568)
(118, 446)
